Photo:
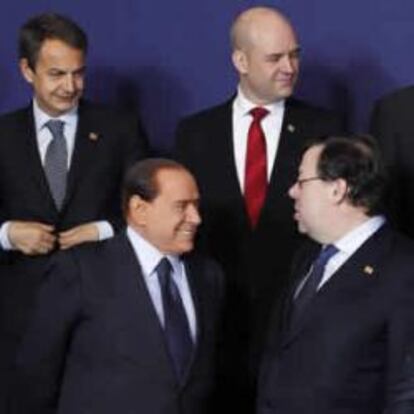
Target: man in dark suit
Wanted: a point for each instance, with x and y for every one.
(58, 187)
(392, 124)
(252, 235)
(104, 336)
(345, 343)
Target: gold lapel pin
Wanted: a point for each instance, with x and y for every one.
(291, 128)
(93, 136)
(369, 270)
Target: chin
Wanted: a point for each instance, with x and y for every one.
(302, 229)
(187, 248)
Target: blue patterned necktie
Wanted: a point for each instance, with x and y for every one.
(176, 327)
(310, 287)
(56, 162)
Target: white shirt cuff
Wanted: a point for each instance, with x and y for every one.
(4, 236)
(105, 230)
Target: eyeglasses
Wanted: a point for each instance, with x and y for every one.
(302, 181)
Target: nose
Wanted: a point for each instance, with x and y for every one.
(293, 191)
(70, 83)
(193, 215)
(288, 63)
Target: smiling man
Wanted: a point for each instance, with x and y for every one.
(61, 162)
(344, 342)
(128, 325)
(244, 154)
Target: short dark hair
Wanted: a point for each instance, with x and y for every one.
(49, 26)
(140, 179)
(357, 160)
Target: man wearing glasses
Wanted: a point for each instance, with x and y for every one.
(345, 341)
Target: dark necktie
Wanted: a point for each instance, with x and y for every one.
(176, 327)
(56, 159)
(255, 184)
(310, 287)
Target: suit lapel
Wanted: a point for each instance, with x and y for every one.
(85, 149)
(137, 310)
(285, 165)
(301, 268)
(193, 277)
(358, 272)
(221, 153)
(225, 151)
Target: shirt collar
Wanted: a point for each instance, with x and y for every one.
(149, 256)
(356, 237)
(41, 117)
(243, 105)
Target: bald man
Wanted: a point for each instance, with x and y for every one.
(248, 224)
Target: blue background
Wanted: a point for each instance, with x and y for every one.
(171, 58)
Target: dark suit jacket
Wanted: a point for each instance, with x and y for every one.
(95, 344)
(95, 174)
(93, 193)
(255, 262)
(352, 350)
(392, 124)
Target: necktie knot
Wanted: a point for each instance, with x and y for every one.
(55, 126)
(258, 113)
(163, 270)
(326, 253)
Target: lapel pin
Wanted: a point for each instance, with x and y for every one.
(291, 128)
(368, 270)
(93, 136)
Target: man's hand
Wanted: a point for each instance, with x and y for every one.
(80, 234)
(31, 238)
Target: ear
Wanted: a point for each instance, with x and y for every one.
(137, 211)
(339, 190)
(26, 70)
(240, 61)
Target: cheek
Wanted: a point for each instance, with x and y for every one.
(79, 84)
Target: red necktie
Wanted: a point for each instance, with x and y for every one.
(256, 172)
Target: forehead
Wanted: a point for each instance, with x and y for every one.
(54, 52)
(271, 34)
(177, 184)
(310, 160)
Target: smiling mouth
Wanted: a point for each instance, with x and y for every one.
(190, 234)
(68, 98)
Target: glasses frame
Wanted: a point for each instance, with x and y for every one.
(302, 181)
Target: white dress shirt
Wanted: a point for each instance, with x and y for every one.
(347, 246)
(149, 257)
(271, 126)
(43, 139)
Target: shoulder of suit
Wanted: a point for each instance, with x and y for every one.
(402, 95)
(102, 111)
(303, 106)
(16, 116)
(403, 246)
(209, 113)
(204, 262)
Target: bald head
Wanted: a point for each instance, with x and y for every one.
(265, 54)
(249, 25)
